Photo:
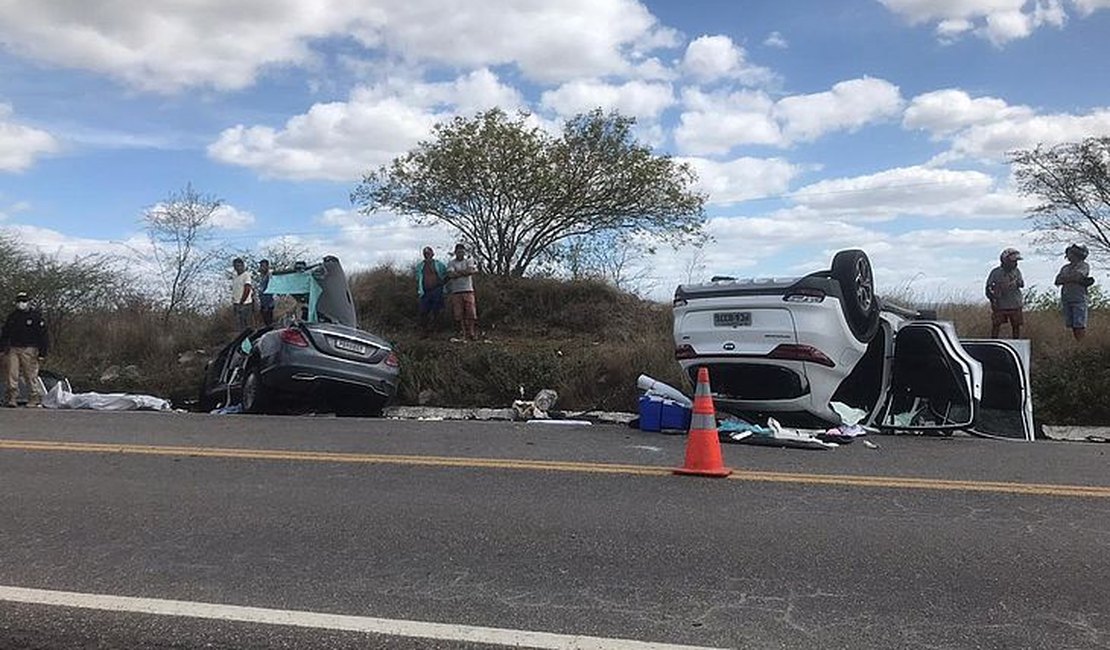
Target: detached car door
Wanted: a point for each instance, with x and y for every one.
(1006, 409)
(935, 384)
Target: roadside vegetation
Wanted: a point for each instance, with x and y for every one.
(584, 338)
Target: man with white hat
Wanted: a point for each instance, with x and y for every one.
(25, 341)
(1004, 291)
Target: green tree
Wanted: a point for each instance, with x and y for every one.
(514, 192)
(1072, 183)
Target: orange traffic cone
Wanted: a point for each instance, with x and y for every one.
(703, 446)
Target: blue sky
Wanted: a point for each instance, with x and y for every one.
(814, 125)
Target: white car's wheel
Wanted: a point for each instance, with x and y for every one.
(852, 270)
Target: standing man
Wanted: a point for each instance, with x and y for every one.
(1004, 286)
(242, 295)
(460, 286)
(430, 277)
(265, 300)
(26, 342)
(1073, 279)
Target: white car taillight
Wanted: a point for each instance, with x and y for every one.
(801, 352)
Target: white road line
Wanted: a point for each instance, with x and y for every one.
(386, 626)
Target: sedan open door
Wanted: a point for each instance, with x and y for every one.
(1006, 409)
(935, 384)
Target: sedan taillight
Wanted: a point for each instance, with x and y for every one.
(293, 336)
(392, 360)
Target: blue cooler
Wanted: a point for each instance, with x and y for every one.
(660, 414)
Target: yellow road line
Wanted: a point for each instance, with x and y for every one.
(842, 480)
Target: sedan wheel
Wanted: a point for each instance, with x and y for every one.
(254, 393)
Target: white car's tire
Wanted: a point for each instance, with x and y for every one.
(852, 271)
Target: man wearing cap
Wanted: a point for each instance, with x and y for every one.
(460, 286)
(25, 341)
(1004, 291)
(1074, 279)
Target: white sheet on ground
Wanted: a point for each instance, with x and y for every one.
(60, 398)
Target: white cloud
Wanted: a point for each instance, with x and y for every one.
(1088, 7)
(987, 128)
(166, 46)
(742, 179)
(947, 111)
(849, 105)
(999, 21)
(228, 217)
(920, 191)
(776, 40)
(53, 242)
(715, 123)
(21, 145)
(709, 58)
(636, 98)
(994, 140)
(342, 140)
(362, 241)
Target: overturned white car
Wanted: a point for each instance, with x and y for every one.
(792, 348)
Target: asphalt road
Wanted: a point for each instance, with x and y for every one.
(579, 532)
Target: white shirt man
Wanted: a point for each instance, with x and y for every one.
(242, 295)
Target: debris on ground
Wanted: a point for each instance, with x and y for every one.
(843, 434)
(573, 423)
(537, 408)
(654, 387)
(848, 414)
(775, 435)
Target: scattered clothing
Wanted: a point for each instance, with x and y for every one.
(843, 434)
(773, 435)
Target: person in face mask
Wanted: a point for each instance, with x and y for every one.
(24, 342)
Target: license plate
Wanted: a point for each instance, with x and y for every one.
(351, 346)
(732, 319)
